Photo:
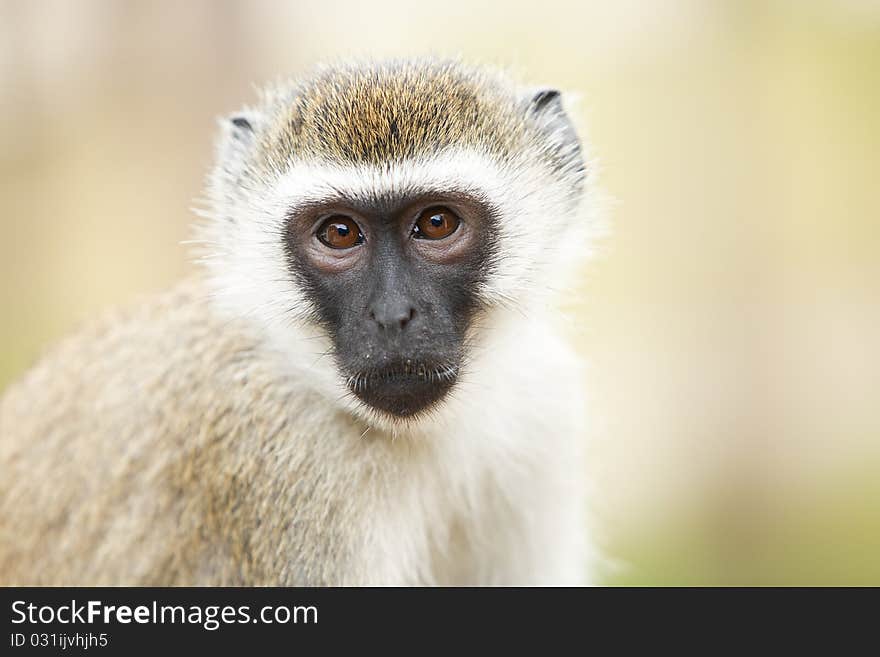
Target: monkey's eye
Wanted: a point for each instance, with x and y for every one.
(435, 224)
(340, 232)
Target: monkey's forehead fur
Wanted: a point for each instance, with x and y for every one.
(374, 112)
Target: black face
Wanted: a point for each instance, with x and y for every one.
(394, 282)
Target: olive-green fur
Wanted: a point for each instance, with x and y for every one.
(391, 111)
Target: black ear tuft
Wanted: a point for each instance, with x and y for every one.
(544, 109)
(237, 139)
(544, 98)
(242, 123)
(240, 128)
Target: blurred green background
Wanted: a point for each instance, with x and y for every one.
(731, 320)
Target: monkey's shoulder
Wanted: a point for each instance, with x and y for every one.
(152, 423)
(168, 365)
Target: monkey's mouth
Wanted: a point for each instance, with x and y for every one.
(403, 389)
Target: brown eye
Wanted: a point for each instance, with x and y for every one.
(435, 224)
(340, 232)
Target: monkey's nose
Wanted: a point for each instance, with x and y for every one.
(392, 316)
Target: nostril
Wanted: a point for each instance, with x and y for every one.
(406, 320)
(392, 318)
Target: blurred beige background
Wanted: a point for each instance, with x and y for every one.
(731, 320)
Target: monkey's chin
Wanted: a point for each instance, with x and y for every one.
(403, 392)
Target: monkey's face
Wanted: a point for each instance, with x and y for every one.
(400, 209)
(394, 282)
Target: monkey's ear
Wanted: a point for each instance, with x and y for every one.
(242, 124)
(544, 98)
(544, 106)
(241, 127)
(238, 133)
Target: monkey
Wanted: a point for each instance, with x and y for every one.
(365, 381)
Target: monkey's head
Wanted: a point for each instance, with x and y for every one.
(371, 214)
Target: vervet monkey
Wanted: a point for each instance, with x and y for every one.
(364, 385)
